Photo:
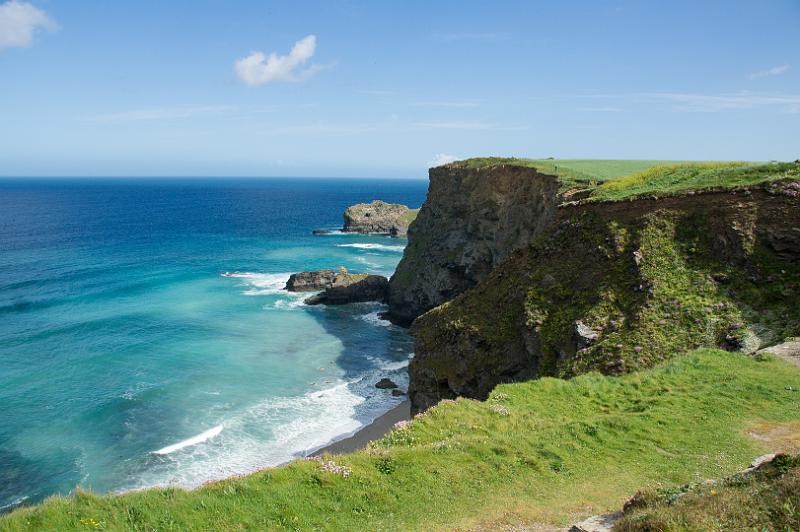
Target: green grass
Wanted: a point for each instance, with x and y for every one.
(546, 451)
(613, 180)
(572, 172)
(673, 179)
(768, 499)
(410, 216)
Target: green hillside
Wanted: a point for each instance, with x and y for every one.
(533, 453)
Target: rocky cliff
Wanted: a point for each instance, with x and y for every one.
(524, 287)
(471, 221)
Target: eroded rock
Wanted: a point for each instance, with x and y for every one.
(311, 281)
(349, 288)
(378, 217)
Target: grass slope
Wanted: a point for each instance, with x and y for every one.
(534, 452)
(768, 499)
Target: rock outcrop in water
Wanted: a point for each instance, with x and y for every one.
(508, 282)
(311, 281)
(352, 288)
(378, 217)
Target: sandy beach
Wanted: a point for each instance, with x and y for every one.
(368, 433)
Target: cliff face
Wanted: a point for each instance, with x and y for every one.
(612, 287)
(471, 221)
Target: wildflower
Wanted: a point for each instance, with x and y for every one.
(402, 424)
(331, 467)
(499, 409)
(638, 349)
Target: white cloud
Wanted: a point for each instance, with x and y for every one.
(377, 92)
(441, 159)
(18, 23)
(258, 68)
(164, 113)
(774, 71)
(723, 102)
(447, 103)
(466, 126)
(604, 109)
(486, 36)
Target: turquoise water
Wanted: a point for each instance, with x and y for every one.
(145, 337)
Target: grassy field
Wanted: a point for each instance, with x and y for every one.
(613, 180)
(572, 171)
(533, 453)
(674, 179)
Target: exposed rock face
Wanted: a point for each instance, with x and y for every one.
(610, 287)
(311, 281)
(471, 221)
(378, 217)
(348, 288)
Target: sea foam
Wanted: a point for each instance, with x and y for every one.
(261, 284)
(194, 440)
(379, 247)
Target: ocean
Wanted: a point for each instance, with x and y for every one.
(146, 339)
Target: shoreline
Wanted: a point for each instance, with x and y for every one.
(379, 427)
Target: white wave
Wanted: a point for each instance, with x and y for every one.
(270, 433)
(291, 304)
(394, 366)
(368, 263)
(381, 247)
(15, 502)
(373, 318)
(261, 284)
(194, 440)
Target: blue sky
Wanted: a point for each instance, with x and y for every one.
(379, 88)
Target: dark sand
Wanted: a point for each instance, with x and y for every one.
(371, 432)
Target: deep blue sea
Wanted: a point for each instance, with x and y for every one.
(146, 339)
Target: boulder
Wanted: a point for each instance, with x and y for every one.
(378, 217)
(348, 288)
(584, 336)
(397, 392)
(311, 281)
(385, 384)
(597, 523)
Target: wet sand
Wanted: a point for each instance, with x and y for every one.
(373, 431)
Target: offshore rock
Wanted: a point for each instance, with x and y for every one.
(378, 217)
(385, 384)
(349, 288)
(311, 281)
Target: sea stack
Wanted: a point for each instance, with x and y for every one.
(378, 217)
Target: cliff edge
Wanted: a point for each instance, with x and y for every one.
(508, 281)
(473, 218)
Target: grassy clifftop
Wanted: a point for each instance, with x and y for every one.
(532, 454)
(613, 180)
